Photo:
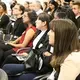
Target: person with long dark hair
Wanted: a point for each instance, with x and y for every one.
(63, 36)
(4, 19)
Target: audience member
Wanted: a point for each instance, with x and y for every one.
(76, 10)
(26, 5)
(31, 6)
(71, 3)
(4, 19)
(23, 41)
(66, 59)
(13, 3)
(45, 6)
(52, 7)
(59, 2)
(18, 27)
(37, 7)
(62, 12)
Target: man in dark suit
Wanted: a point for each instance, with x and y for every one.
(76, 10)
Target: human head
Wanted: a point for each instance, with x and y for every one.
(60, 13)
(65, 13)
(59, 2)
(37, 5)
(70, 15)
(3, 7)
(26, 5)
(76, 8)
(29, 17)
(43, 20)
(65, 36)
(71, 3)
(31, 6)
(13, 3)
(53, 5)
(45, 5)
(18, 9)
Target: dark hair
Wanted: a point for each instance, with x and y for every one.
(45, 4)
(63, 12)
(67, 0)
(27, 2)
(32, 15)
(3, 6)
(66, 35)
(54, 3)
(66, 39)
(77, 3)
(21, 7)
(13, 4)
(70, 15)
(60, 12)
(44, 17)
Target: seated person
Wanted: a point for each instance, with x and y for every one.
(23, 41)
(66, 60)
(18, 26)
(4, 19)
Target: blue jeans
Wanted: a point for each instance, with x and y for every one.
(12, 69)
(28, 76)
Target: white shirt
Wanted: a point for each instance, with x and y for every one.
(39, 11)
(36, 40)
(77, 16)
(51, 49)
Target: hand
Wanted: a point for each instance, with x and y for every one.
(10, 43)
(47, 54)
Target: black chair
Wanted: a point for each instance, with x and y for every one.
(42, 77)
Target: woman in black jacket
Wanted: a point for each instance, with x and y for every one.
(4, 19)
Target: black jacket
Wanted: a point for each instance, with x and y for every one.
(78, 22)
(18, 27)
(4, 21)
(44, 41)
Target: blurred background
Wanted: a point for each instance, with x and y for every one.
(8, 2)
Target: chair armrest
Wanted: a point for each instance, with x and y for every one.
(27, 49)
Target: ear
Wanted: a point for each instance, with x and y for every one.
(45, 23)
(21, 12)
